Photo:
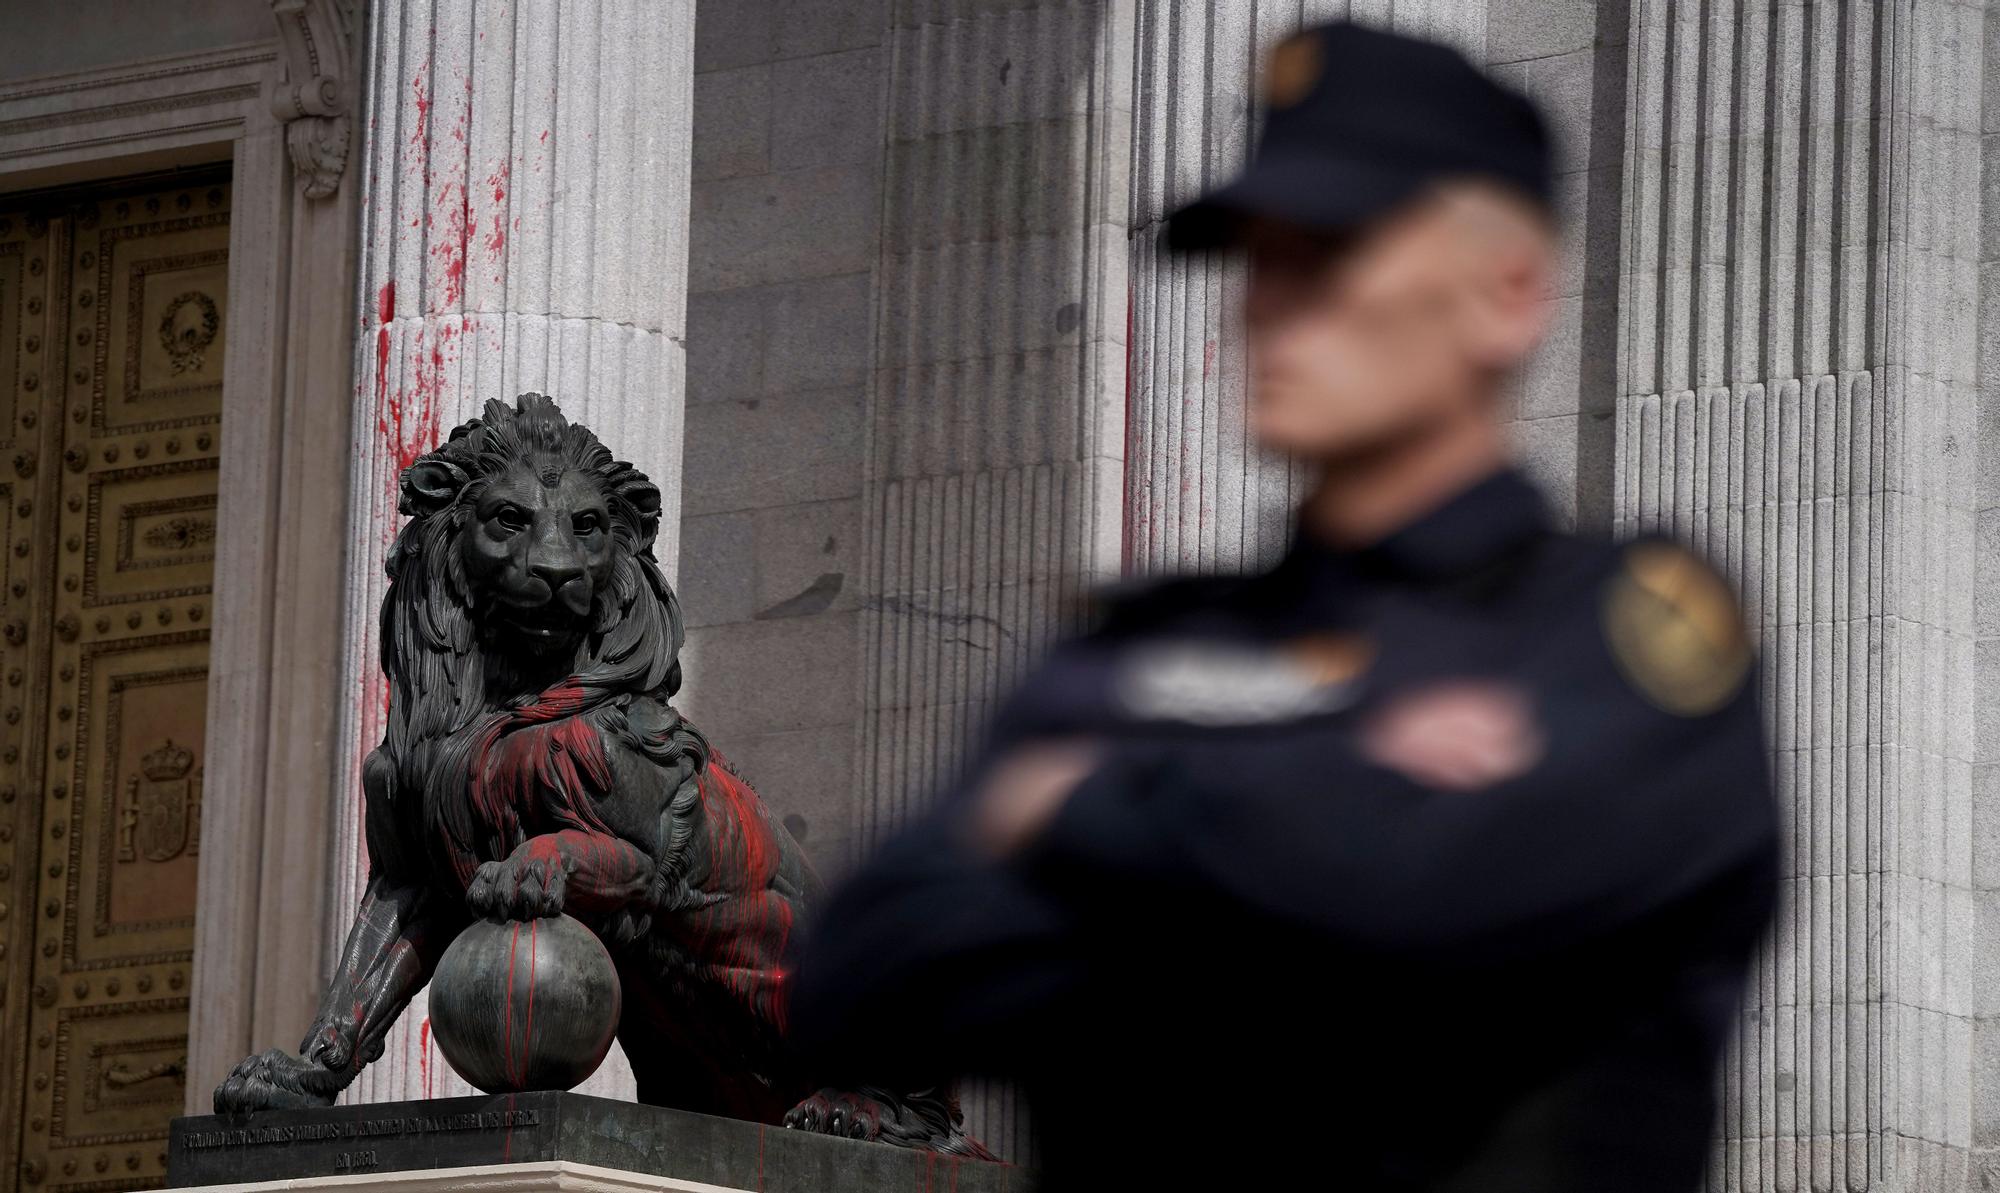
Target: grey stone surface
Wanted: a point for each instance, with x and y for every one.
(827, 109)
(541, 1127)
(752, 453)
(1810, 430)
(1517, 30)
(808, 27)
(778, 227)
(780, 350)
(733, 107)
(45, 38)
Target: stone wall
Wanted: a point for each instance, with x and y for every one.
(788, 151)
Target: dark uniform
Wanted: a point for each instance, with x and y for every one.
(1246, 951)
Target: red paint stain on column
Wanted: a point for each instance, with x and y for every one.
(421, 133)
(496, 236)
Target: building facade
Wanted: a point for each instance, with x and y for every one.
(873, 288)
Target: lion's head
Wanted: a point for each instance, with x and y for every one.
(523, 587)
(538, 521)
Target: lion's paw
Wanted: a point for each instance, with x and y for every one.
(275, 1080)
(523, 887)
(838, 1112)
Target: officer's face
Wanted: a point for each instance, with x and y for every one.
(1397, 332)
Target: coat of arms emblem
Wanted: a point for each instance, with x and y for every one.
(162, 814)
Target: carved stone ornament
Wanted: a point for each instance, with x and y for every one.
(310, 94)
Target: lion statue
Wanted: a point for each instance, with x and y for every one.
(534, 764)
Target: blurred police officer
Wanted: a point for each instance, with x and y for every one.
(1431, 858)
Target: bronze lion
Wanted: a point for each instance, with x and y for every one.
(534, 764)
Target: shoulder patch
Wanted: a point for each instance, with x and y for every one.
(1294, 69)
(1675, 630)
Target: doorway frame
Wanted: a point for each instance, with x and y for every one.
(271, 754)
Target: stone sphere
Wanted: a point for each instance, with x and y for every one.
(525, 1005)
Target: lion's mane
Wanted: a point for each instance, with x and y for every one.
(478, 768)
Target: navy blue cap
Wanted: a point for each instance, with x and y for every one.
(1358, 122)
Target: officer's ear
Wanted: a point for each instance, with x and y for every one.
(1510, 251)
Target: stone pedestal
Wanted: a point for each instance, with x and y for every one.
(554, 1176)
(543, 1141)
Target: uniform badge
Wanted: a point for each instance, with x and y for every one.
(1675, 630)
(1228, 683)
(1295, 67)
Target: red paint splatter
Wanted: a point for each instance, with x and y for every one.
(420, 135)
(496, 237)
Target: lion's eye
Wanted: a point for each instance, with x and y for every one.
(585, 524)
(511, 518)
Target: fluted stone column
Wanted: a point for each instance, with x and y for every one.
(1796, 398)
(995, 421)
(525, 196)
(1201, 496)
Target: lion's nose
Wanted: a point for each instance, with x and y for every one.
(559, 577)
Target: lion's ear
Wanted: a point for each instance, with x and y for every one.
(430, 485)
(644, 497)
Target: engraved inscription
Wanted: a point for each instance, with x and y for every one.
(398, 1124)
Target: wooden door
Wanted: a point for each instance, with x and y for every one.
(112, 333)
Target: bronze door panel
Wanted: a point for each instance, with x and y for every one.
(32, 305)
(113, 655)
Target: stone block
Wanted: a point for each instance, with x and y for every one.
(804, 559)
(818, 335)
(725, 344)
(826, 26)
(757, 677)
(1562, 86)
(756, 453)
(806, 776)
(1549, 382)
(782, 227)
(1517, 30)
(732, 122)
(827, 109)
(1547, 449)
(716, 568)
(736, 33)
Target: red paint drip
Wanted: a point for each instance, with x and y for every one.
(420, 136)
(507, 1008)
(528, 1028)
(1125, 500)
(496, 236)
(743, 936)
(424, 1053)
